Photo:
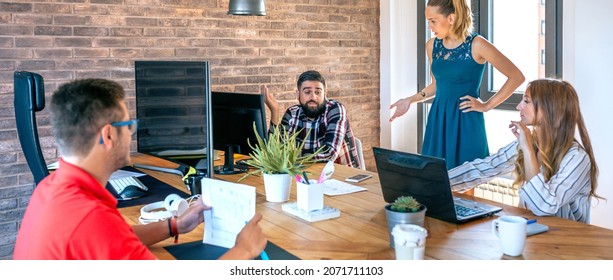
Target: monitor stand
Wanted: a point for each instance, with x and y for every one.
(229, 167)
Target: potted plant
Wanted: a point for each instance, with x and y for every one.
(278, 159)
(404, 210)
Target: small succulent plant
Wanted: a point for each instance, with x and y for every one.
(405, 204)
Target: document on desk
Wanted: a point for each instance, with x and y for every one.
(334, 187)
(232, 206)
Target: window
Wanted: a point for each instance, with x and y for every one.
(527, 32)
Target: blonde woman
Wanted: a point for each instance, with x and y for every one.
(554, 172)
(456, 128)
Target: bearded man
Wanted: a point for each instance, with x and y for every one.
(322, 121)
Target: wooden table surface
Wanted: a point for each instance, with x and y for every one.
(360, 233)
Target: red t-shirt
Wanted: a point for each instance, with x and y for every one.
(71, 216)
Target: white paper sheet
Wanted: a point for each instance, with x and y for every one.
(334, 187)
(233, 205)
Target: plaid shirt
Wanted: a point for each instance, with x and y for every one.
(330, 129)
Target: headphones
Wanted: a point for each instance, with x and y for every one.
(173, 205)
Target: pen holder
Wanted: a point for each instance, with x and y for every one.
(310, 197)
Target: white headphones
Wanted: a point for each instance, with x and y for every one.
(173, 205)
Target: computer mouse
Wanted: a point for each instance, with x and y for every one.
(131, 192)
(241, 162)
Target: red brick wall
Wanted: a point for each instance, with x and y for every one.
(66, 40)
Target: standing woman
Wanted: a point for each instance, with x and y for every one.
(456, 128)
(556, 174)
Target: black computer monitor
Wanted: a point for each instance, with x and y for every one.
(233, 118)
(173, 107)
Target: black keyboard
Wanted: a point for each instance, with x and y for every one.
(462, 211)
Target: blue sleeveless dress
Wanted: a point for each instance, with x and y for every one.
(458, 137)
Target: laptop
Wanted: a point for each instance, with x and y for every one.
(425, 178)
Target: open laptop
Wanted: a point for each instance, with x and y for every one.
(425, 178)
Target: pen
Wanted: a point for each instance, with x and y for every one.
(298, 178)
(264, 256)
(529, 221)
(306, 179)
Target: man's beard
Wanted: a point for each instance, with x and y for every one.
(313, 112)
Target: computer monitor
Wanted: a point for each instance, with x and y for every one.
(233, 118)
(173, 107)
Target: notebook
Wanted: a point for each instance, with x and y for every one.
(425, 178)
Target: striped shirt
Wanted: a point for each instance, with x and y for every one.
(330, 129)
(566, 194)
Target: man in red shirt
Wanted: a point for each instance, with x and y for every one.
(71, 215)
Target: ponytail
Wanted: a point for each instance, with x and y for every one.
(463, 24)
(464, 19)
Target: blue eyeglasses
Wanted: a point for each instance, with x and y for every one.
(131, 124)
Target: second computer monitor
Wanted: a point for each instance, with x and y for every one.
(233, 117)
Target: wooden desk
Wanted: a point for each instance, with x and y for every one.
(361, 231)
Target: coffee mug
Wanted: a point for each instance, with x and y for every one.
(194, 182)
(511, 230)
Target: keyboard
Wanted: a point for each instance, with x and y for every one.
(462, 211)
(121, 183)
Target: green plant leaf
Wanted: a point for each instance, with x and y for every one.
(405, 204)
(279, 154)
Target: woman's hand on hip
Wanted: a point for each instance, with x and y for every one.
(470, 103)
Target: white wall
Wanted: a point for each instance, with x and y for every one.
(587, 65)
(587, 61)
(398, 72)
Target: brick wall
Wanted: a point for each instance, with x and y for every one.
(66, 40)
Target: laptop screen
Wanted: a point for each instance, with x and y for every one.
(422, 177)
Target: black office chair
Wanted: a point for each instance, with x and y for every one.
(30, 98)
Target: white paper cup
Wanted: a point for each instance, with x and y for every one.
(409, 241)
(511, 230)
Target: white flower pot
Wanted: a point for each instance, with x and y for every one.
(277, 187)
